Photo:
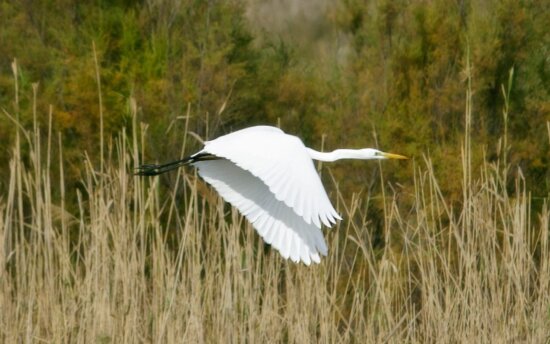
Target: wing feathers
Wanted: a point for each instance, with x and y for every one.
(282, 162)
(277, 223)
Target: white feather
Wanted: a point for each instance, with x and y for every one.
(276, 222)
(283, 163)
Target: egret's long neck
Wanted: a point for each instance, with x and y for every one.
(334, 155)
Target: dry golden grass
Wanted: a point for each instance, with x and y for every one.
(137, 264)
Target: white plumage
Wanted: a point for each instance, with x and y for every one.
(270, 178)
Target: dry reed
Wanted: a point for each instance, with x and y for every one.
(136, 263)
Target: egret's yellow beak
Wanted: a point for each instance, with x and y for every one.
(394, 156)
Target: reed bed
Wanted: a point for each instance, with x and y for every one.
(132, 261)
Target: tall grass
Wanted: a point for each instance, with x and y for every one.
(133, 262)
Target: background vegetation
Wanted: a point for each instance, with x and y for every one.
(451, 246)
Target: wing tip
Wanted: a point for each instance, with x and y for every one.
(302, 253)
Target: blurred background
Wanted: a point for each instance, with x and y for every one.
(387, 74)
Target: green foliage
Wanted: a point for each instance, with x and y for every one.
(408, 74)
(166, 55)
(201, 65)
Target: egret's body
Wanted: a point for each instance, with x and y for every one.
(270, 178)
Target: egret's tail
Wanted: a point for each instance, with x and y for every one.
(153, 169)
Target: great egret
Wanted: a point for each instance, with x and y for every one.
(270, 178)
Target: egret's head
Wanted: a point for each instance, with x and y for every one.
(375, 154)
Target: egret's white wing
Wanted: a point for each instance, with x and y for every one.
(282, 162)
(275, 221)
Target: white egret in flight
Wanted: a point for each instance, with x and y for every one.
(270, 178)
